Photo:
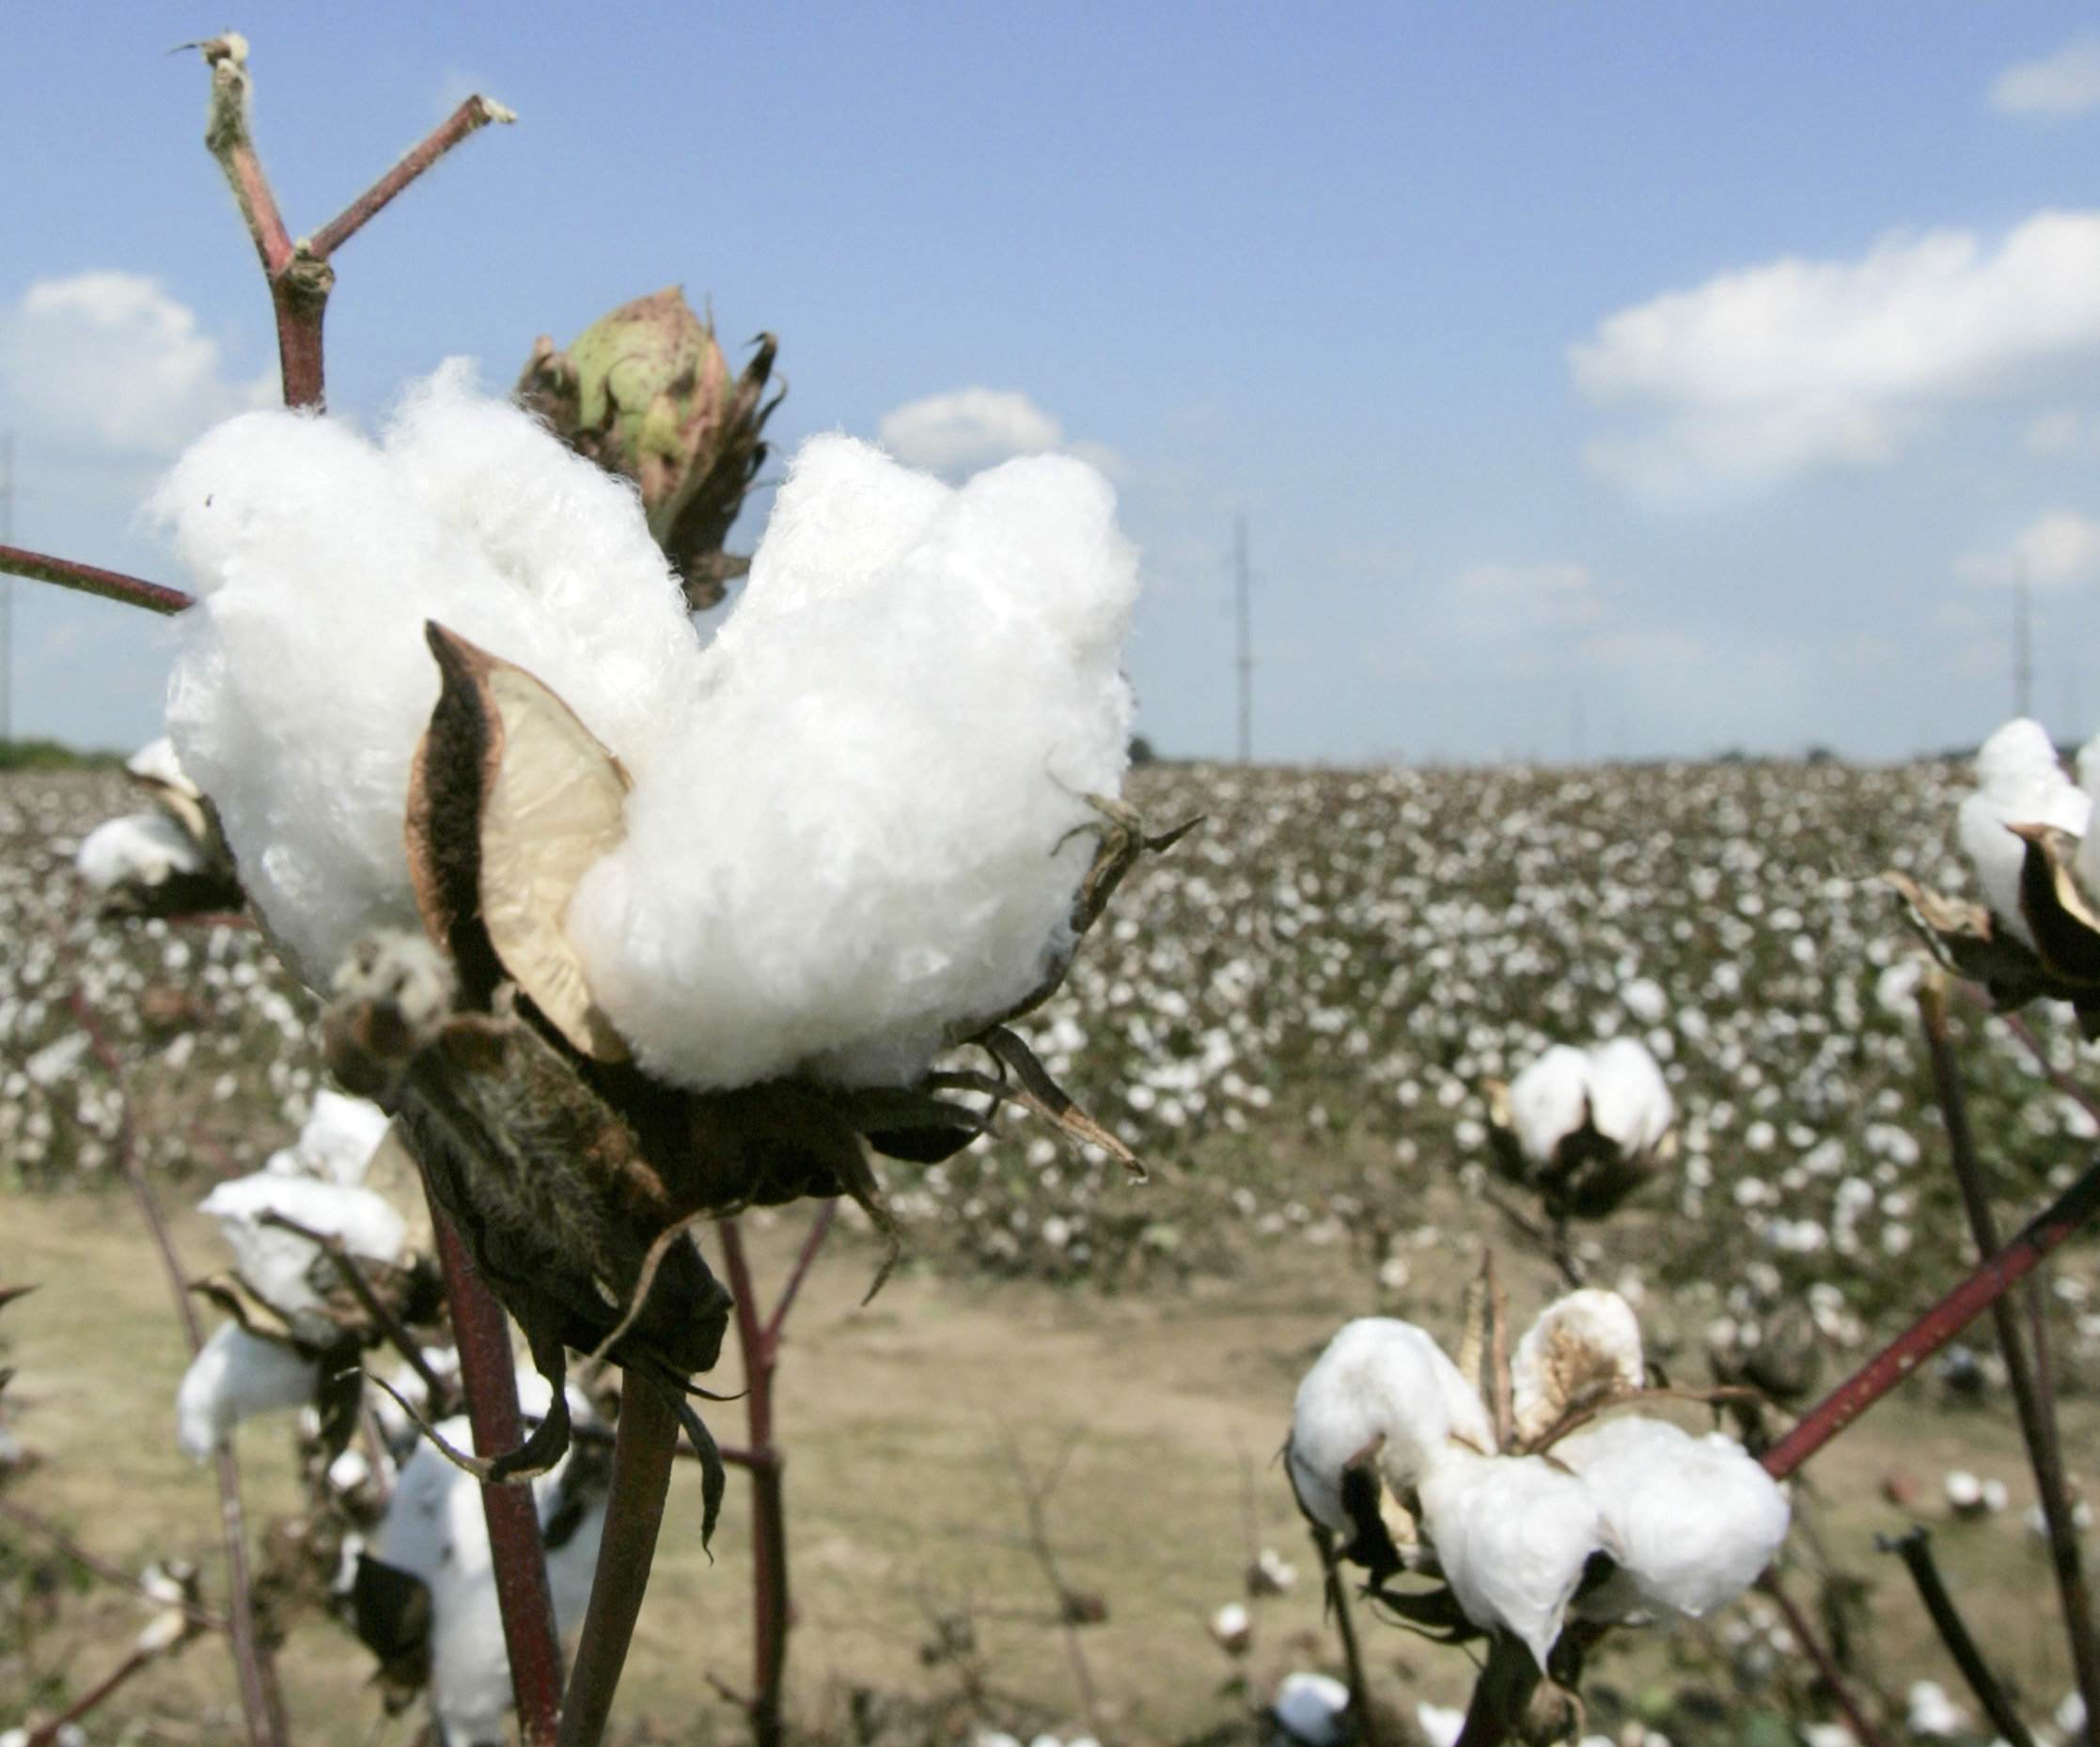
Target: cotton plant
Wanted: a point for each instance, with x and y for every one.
(168, 860)
(622, 921)
(2025, 832)
(1536, 1505)
(1583, 1128)
(295, 1329)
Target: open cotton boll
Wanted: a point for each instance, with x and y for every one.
(304, 681)
(234, 1376)
(275, 1261)
(138, 850)
(2088, 860)
(1583, 1348)
(1548, 1101)
(1695, 1519)
(2018, 782)
(869, 837)
(1629, 1099)
(436, 1529)
(1512, 1534)
(336, 1143)
(1379, 1378)
(1312, 1709)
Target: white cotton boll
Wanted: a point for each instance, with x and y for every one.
(1644, 999)
(888, 848)
(1441, 1724)
(1695, 1519)
(138, 850)
(336, 1143)
(2018, 782)
(1583, 1347)
(2088, 860)
(275, 1261)
(1512, 1534)
(1549, 1100)
(1629, 1099)
(1310, 1709)
(303, 682)
(1930, 1711)
(156, 762)
(436, 1529)
(234, 1376)
(1379, 1378)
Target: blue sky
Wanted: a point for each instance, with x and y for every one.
(1696, 375)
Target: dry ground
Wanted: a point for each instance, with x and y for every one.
(904, 1506)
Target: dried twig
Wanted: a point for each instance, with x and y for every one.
(2036, 1415)
(372, 1304)
(1074, 1608)
(89, 580)
(1352, 1651)
(1916, 1551)
(203, 1618)
(1804, 1635)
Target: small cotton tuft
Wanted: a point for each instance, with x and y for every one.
(1583, 1348)
(1513, 1534)
(1379, 1379)
(234, 1376)
(337, 1141)
(2018, 782)
(1695, 1519)
(1548, 1101)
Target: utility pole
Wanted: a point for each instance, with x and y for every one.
(1247, 639)
(2023, 642)
(7, 589)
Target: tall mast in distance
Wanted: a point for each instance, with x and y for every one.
(1242, 591)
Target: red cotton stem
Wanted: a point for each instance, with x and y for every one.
(475, 112)
(490, 1374)
(1991, 1280)
(85, 578)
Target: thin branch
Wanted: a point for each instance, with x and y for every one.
(373, 1305)
(46, 1734)
(770, 1615)
(203, 1618)
(2036, 1048)
(490, 1374)
(1035, 1494)
(471, 116)
(1825, 1665)
(260, 1702)
(1500, 1695)
(1916, 1551)
(827, 1212)
(1352, 1652)
(647, 1440)
(226, 136)
(85, 578)
(2037, 1427)
(2053, 1226)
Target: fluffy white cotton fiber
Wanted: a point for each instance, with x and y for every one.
(2018, 782)
(1617, 1085)
(234, 1376)
(851, 821)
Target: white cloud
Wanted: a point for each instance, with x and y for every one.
(106, 367)
(2064, 83)
(968, 430)
(1516, 595)
(2057, 550)
(1797, 365)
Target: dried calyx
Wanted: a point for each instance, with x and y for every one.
(2025, 831)
(172, 861)
(646, 393)
(573, 1175)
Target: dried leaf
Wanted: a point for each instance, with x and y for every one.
(2067, 931)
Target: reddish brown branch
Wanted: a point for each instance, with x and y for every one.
(641, 1479)
(46, 1734)
(2036, 1417)
(1991, 1280)
(490, 1375)
(87, 580)
(1799, 1625)
(475, 112)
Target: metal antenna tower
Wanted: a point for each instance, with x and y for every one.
(2023, 642)
(1242, 591)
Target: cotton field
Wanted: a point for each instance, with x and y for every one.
(1292, 1016)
